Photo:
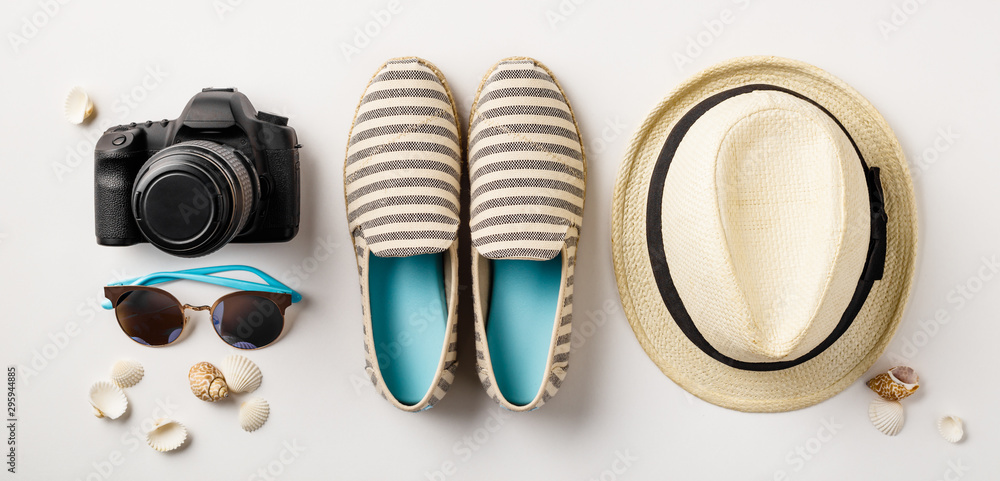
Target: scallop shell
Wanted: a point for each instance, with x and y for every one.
(242, 375)
(78, 106)
(126, 373)
(207, 382)
(108, 400)
(951, 428)
(253, 414)
(898, 383)
(887, 416)
(166, 435)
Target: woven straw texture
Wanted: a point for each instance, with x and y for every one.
(766, 243)
(856, 350)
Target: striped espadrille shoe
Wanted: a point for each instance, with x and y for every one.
(401, 182)
(527, 175)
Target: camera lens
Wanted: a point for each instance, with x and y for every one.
(192, 198)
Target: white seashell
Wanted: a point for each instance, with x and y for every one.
(108, 400)
(253, 414)
(166, 435)
(78, 106)
(887, 416)
(126, 373)
(951, 428)
(242, 375)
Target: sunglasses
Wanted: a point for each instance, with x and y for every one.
(250, 319)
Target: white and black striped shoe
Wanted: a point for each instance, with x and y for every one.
(527, 174)
(401, 182)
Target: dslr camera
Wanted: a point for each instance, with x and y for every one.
(221, 172)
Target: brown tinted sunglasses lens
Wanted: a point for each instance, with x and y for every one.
(149, 317)
(248, 321)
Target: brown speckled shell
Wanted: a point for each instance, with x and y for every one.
(207, 382)
(886, 387)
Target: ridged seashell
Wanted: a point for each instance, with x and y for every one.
(242, 375)
(108, 400)
(78, 106)
(126, 373)
(207, 382)
(253, 414)
(951, 428)
(166, 435)
(887, 416)
(898, 383)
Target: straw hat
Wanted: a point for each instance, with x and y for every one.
(764, 234)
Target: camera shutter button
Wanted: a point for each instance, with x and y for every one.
(118, 140)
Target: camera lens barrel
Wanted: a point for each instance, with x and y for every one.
(194, 197)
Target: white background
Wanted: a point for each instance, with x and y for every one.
(932, 72)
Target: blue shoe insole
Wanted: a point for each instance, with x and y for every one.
(523, 301)
(409, 314)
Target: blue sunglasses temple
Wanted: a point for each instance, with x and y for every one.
(204, 274)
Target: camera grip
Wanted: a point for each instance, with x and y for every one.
(114, 173)
(282, 220)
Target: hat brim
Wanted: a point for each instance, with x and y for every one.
(860, 346)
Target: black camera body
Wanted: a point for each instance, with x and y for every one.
(221, 172)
